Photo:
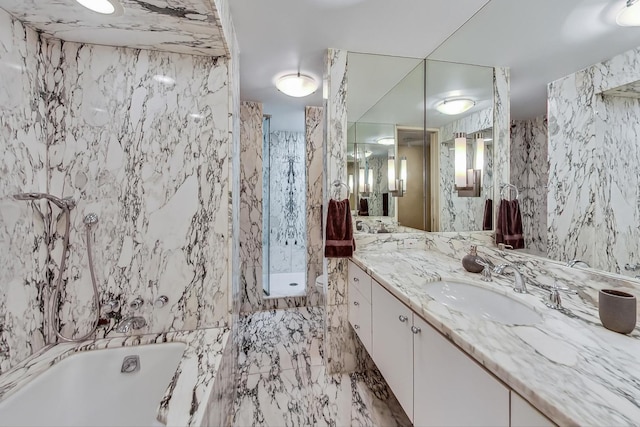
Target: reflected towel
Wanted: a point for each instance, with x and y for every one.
(487, 217)
(339, 232)
(509, 227)
(364, 207)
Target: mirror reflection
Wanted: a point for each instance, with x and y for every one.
(402, 145)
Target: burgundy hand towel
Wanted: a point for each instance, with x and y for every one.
(339, 231)
(509, 227)
(487, 217)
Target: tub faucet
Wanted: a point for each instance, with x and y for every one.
(130, 324)
(519, 283)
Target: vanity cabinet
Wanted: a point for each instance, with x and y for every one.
(435, 382)
(393, 345)
(525, 415)
(450, 388)
(360, 304)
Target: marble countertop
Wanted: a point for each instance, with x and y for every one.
(569, 366)
(185, 400)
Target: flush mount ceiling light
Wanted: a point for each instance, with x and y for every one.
(629, 16)
(165, 80)
(105, 7)
(386, 141)
(454, 106)
(297, 85)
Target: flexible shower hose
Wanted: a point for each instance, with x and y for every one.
(54, 315)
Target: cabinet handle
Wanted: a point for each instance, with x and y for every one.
(356, 303)
(403, 318)
(356, 327)
(355, 279)
(415, 330)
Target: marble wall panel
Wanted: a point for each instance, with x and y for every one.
(573, 168)
(529, 172)
(379, 167)
(287, 193)
(251, 139)
(314, 124)
(181, 26)
(340, 347)
(23, 247)
(464, 213)
(141, 139)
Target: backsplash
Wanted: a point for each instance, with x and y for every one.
(142, 139)
(594, 165)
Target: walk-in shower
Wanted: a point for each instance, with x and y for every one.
(90, 220)
(284, 212)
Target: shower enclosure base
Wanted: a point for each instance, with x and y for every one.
(281, 285)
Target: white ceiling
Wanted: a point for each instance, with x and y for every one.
(282, 36)
(540, 40)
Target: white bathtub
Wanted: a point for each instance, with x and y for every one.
(88, 389)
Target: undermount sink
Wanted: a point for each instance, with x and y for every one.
(481, 302)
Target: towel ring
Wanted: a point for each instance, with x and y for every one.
(337, 184)
(509, 187)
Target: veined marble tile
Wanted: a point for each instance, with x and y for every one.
(251, 183)
(185, 26)
(287, 193)
(23, 247)
(304, 394)
(150, 157)
(281, 339)
(529, 172)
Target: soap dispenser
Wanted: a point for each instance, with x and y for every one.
(469, 260)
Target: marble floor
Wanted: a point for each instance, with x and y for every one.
(283, 381)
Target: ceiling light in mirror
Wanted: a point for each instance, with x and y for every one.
(629, 16)
(297, 85)
(165, 80)
(386, 141)
(454, 106)
(105, 7)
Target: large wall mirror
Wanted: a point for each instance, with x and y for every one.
(404, 160)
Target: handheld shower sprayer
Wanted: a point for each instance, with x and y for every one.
(66, 203)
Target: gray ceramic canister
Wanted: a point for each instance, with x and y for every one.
(617, 310)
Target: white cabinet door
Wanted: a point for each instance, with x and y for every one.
(525, 415)
(393, 344)
(360, 279)
(360, 316)
(450, 388)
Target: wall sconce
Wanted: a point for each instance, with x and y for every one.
(396, 185)
(350, 184)
(467, 181)
(365, 180)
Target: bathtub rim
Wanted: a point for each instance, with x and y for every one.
(30, 368)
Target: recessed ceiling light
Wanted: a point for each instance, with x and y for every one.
(629, 16)
(165, 80)
(297, 85)
(386, 141)
(454, 106)
(105, 7)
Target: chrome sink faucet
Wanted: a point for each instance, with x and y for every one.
(130, 324)
(519, 282)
